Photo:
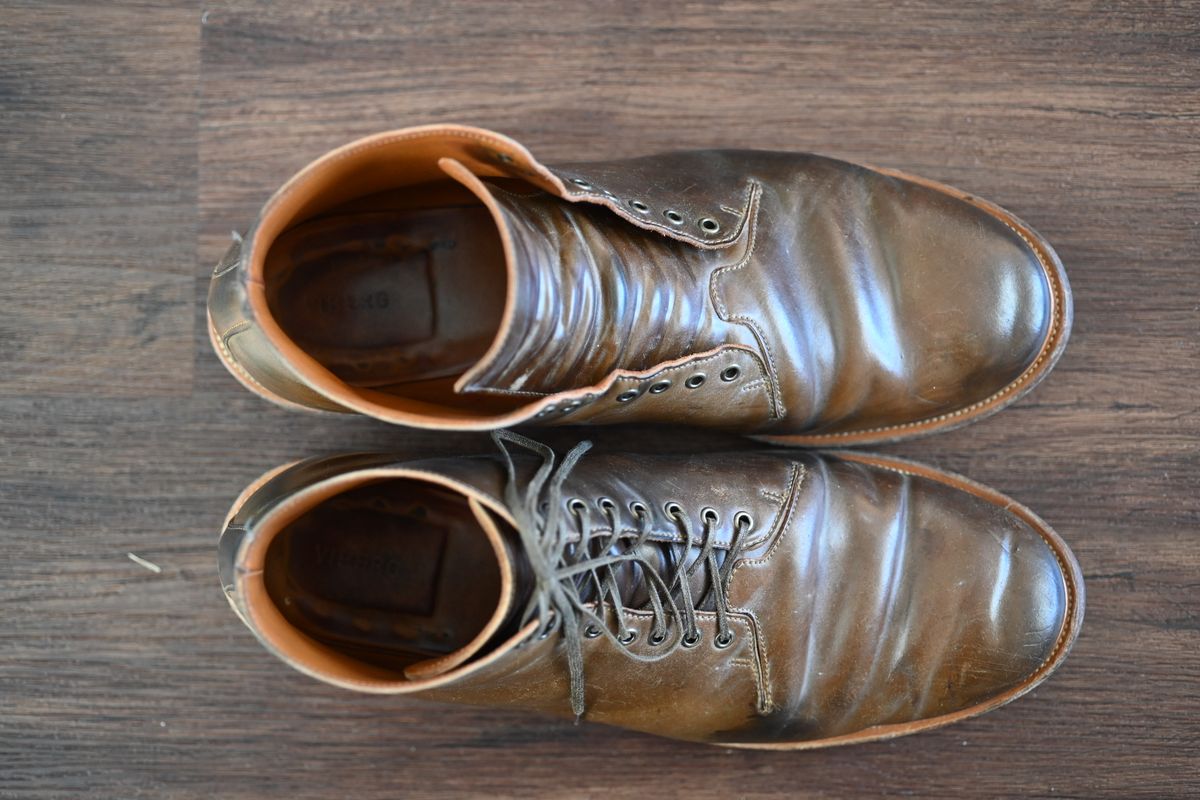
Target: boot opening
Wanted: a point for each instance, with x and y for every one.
(389, 574)
(400, 292)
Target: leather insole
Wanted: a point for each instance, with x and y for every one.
(391, 573)
(388, 298)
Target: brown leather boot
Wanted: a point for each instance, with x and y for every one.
(774, 599)
(442, 277)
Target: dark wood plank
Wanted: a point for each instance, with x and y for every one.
(138, 134)
(99, 176)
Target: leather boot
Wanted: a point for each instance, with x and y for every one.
(442, 277)
(771, 599)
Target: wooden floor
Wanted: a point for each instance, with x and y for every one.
(136, 135)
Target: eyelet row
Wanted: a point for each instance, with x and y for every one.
(689, 640)
(671, 508)
(565, 408)
(693, 381)
(706, 224)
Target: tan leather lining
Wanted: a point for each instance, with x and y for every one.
(326, 663)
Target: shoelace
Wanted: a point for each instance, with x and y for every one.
(575, 579)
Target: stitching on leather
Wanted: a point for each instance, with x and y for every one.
(759, 638)
(673, 233)
(795, 482)
(762, 674)
(1062, 565)
(490, 390)
(234, 329)
(237, 262)
(761, 670)
(799, 473)
(770, 495)
(752, 385)
(621, 376)
(235, 365)
(778, 410)
(1052, 339)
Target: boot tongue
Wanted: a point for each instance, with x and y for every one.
(588, 293)
(515, 591)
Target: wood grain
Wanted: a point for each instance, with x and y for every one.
(137, 135)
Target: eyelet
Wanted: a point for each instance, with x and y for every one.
(710, 515)
(673, 216)
(591, 632)
(638, 509)
(690, 639)
(626, 396)
(695, 380)
(639, 206)
(723, 640)
(606, 504)
(660, 387)
(673, 509)
(581, 183)
(656, 639)
(709, 225)
(627, 637)
(742, 518)
(731, 373)
(576, 506)
(550, 628)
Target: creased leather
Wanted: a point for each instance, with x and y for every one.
(593, 296)
(875, 304)
(874, 598)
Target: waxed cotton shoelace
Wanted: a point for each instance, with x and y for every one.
(575, 578)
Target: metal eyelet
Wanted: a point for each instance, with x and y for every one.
(723, 640)
(591, 632)
(581, 183)
(576, 506)
(731, 373)
(639, 206)
(695, 380)
(551, 627)
(606, 504)
(626, 396)
(690, 639)
(710, 515)
(660, 387)
(742, 518)
(673, 216)
(638, 509)
(673, 509)
(656, 639)
(627, 637)
(709, 225)
(545, 412)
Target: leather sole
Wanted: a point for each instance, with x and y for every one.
(1072, 621)
(1052, 348)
